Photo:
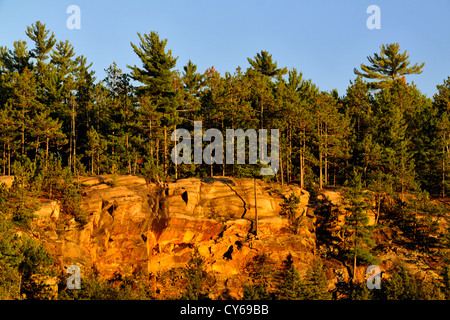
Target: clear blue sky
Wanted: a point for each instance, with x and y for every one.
(323, 39)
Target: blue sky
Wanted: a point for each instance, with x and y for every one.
(323, 39)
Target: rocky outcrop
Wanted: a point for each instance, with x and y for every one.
(7, 180)
(137, 226)
(134, 226)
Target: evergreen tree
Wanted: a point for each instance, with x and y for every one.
(260, 271)
(441, 102)
(388, 65)
(394, 112)
(316, 284)
(24, 101)
(356, 226)
(157, 80)
(331, 130)
(292, 287)
(16, 60)
(195, 274)
(263, 64)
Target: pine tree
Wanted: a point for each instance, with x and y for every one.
(316, 284)
(16, 60)
(47, 131)
(442, 103)
(292, 286)
(63, 92)
(261, 273)
(365, 153)
(331, 130)
(356, 226)
(9, 132)
(195, 274)
(44, 43)
(24, 101)
(388, 65)
(394, 114)
(303, 123)
(157, 80)
(263, 64)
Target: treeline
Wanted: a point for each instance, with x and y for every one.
(52, 107)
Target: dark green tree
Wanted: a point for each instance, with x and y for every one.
(358, 232)
(157, 80)
(195, 274)
(388, 65)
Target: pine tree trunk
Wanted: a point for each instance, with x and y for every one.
(443, 171)
(378, 209)
(72, 155)
(92, 162)
(256, 208)
(9, 158)
(320, 171)
(281, 167)
(302, 170)
(355, 254)
(150, 137)
(113, 154)
(176, 153)
(326, 154)
(46, 152)
(23, 138)
(223, 154)
(165, 152)
(4, 158)
(157, 151)
(128, 156)
(319, 126)
(23, 128)
(98, 162)
(289, 158)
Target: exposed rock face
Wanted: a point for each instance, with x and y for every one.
(135, 226)
(8, 180)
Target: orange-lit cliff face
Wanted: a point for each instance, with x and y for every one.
(136, 227)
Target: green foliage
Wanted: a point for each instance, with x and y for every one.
(418, 218)
(316, 284)
(195, 274)
(404, 286)
(261, 272)
(292, 286)
(93, 287)
(59, 184)
(388, 65)
(290, 207)
(24, 264)
(356, 227)
(19, 202)
(255, 292)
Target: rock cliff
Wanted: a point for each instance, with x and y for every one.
(139, 227)
(135, 226)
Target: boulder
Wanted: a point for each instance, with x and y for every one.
(8, 180)
(49, 212)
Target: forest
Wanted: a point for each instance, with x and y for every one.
(57, 120)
